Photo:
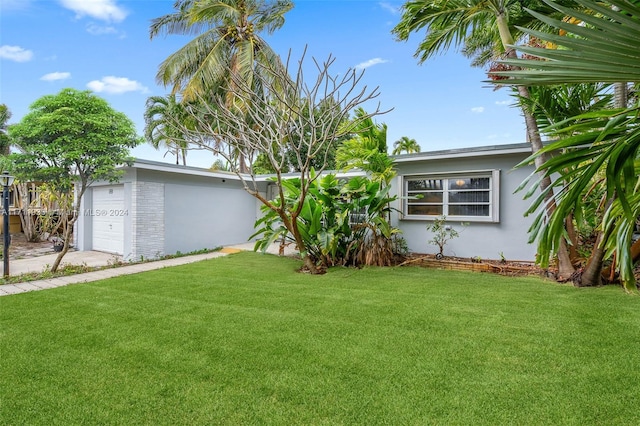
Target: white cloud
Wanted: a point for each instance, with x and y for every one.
(15, 53)
(389, 7)
(477, 110)
(116, 85)
(503, 102)
(54, 76)
(104, 10)
(370, 63)
(94, 29)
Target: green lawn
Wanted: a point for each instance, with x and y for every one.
(245, 339)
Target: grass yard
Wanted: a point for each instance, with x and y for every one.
(244, 339)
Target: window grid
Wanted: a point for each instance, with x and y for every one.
(466, 195)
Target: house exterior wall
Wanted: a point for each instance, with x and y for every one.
(201, 212)
(487, 240)
(170, 209)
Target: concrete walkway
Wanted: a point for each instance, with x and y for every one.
(94, 258)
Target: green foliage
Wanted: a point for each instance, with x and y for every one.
(342, 222)
(72, 135)
(602, 46)
(227, 46)
(70, 140)
(468, 25)
(219, 165)
(164, 117)
(596, 145)
(366, 149)
(405, 144)
(5, 141)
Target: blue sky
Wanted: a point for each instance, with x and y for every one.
(104, 46)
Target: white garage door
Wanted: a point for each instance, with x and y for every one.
(108, 219)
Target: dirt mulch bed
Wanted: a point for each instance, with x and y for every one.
(20, 248)
(509, 268)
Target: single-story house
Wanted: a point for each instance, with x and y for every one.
(159, 209)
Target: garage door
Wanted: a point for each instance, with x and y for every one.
(108, 219)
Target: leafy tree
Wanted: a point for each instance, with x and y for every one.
(602, 48)
(70, 140)
(219, 165)
(405, 144)
(5, 116)
(160, 116)
(486, 29)
(442, 234)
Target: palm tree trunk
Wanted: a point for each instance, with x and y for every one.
(592, 275)
(573, 238)
(621, 95)
(565, 267)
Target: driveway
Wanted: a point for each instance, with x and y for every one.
(42, 263)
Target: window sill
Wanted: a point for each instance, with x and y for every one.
(473, 219)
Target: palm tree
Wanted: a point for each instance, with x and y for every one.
(367, 148)
(162, 117)
(603, 48)
(227, 43)
(226, 52)
(405, 144)
(486, 29)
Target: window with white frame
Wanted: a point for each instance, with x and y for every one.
(469, 196)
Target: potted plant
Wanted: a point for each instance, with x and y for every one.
(58, 243)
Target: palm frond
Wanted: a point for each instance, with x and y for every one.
(603, 48)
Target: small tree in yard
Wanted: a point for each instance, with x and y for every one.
(442, 234)
(285, 116)
(71, 140)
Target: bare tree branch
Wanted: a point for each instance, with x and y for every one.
(285, 116)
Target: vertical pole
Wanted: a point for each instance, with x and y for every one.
(5, 230)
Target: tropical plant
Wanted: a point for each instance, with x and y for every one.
(602, 48)
(227, 45)
(160, 117)
(405, 144)
(343, 222)
(551, 105)
(366, 149)
(71, 140)
(486, 30)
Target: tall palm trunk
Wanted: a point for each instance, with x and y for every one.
(592, 275)
(565, 267)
